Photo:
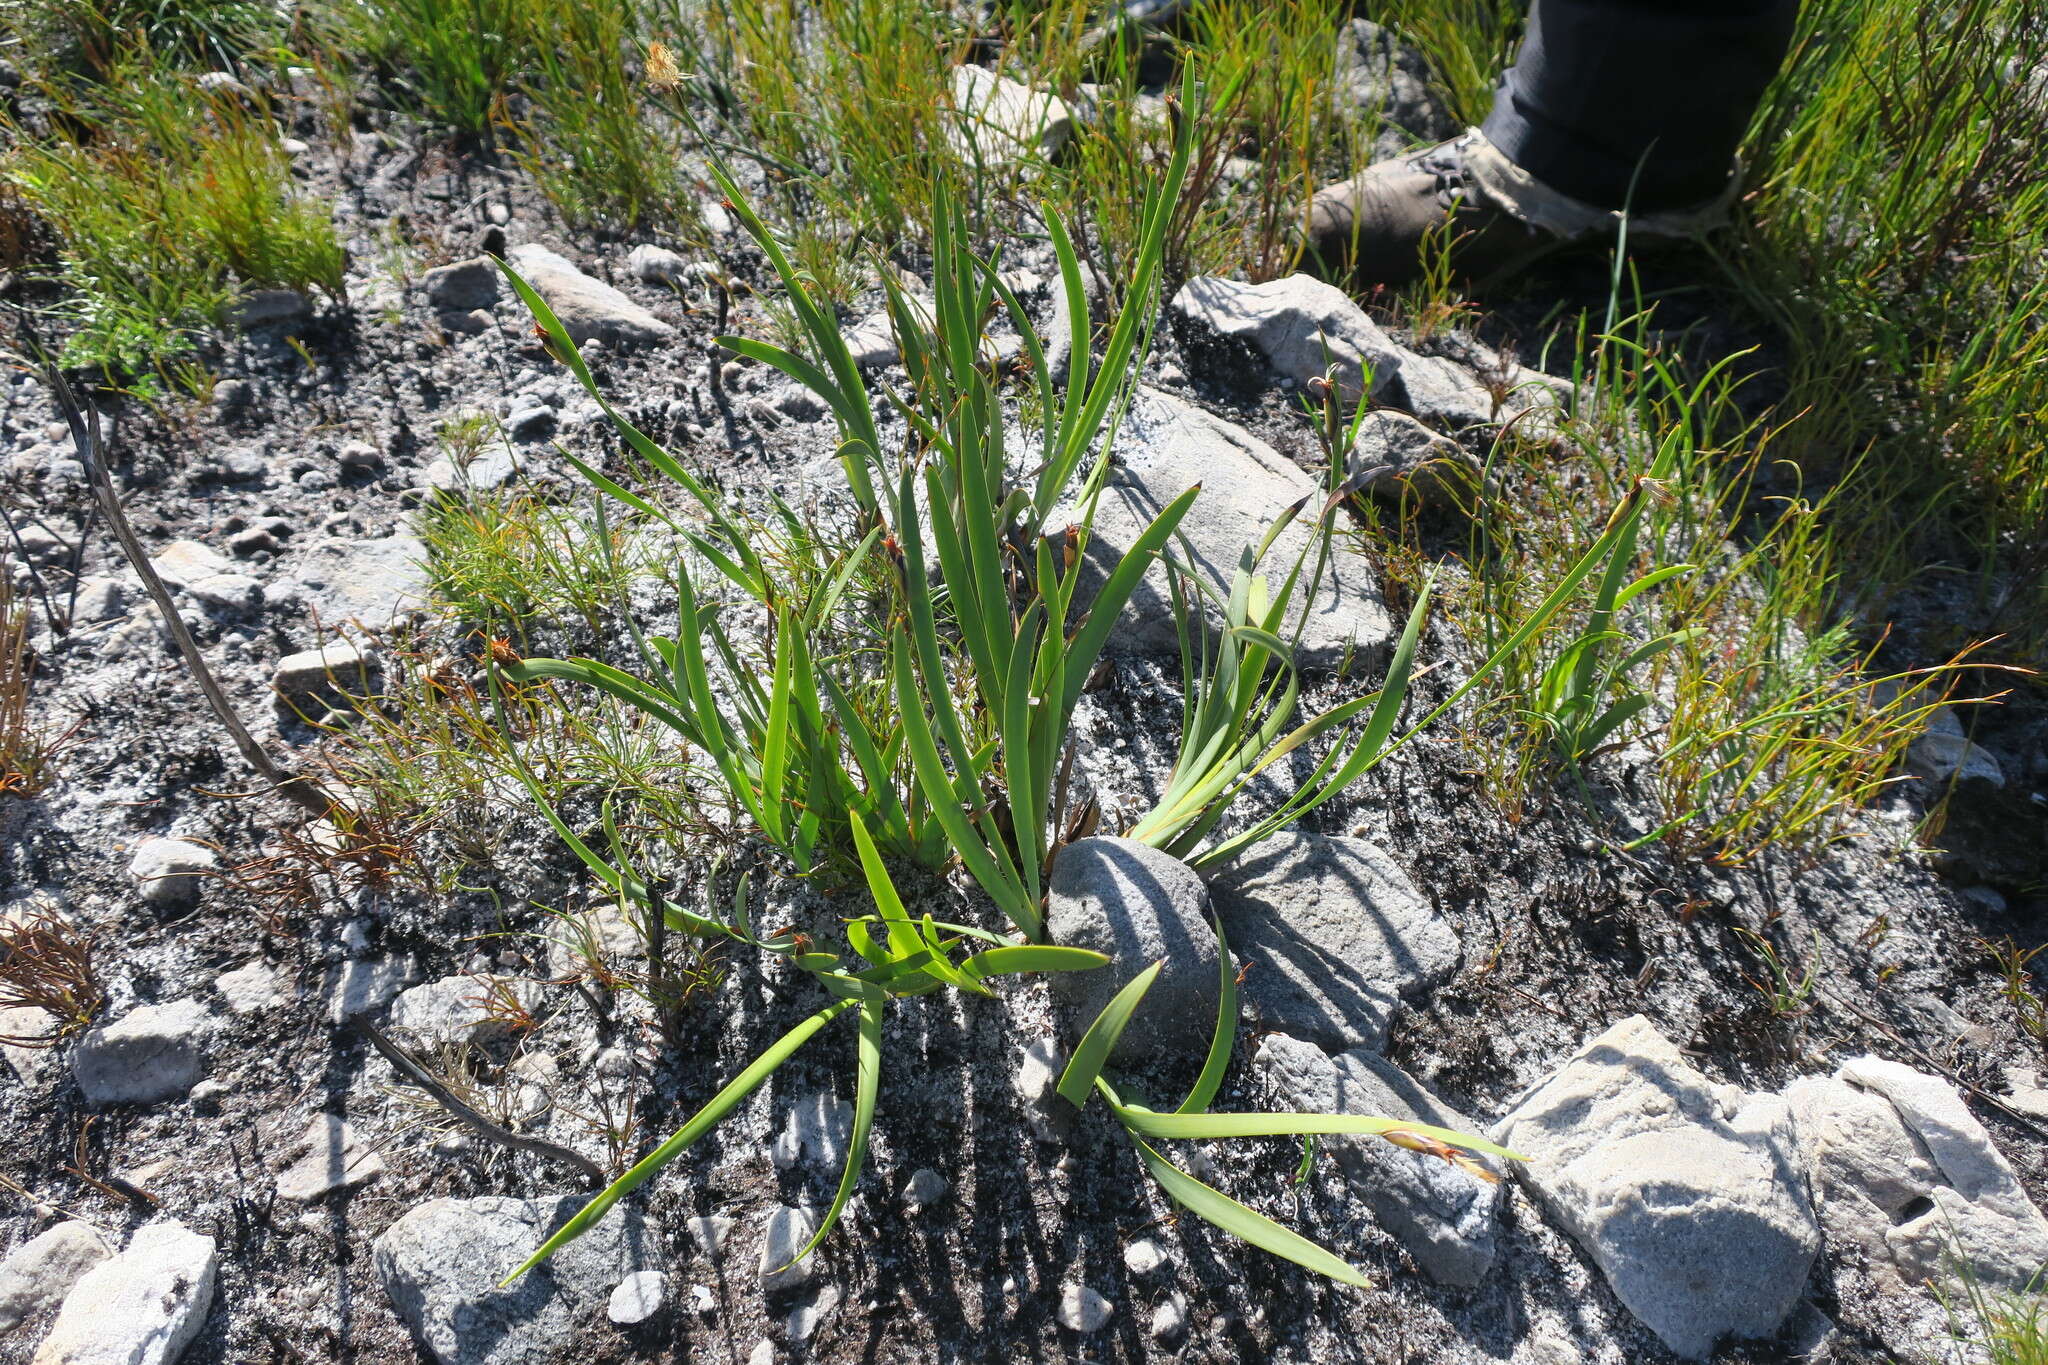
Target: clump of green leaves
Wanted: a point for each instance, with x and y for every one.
(983, 651)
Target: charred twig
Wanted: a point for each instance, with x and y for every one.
(403, 1063)
(85, 437)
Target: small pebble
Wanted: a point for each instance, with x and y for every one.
(925, 1188)
(636, 1299)
(1144, 1257)
(1083, 1310)
(1170, 1320)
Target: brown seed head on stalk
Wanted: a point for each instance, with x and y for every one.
(663, 75)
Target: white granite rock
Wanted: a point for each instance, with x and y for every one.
(637, 1298)
(1002, 122)
(143, 1307)
(38, 1274)
(782, 1237)
(151, 1053)
(170, 871)
(1167, 446)
(334, 1158)
(1909, 1183)
(588, 308)
(1690, 1196)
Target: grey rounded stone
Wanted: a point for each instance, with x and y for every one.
(1139, 906)
(151, 1053)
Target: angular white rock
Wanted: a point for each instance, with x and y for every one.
(656, 264)
(249, 988)
(313, 680)
(183, 562)
(588, 308)
(143, 1307)
(151, 1053)
(1690, 1196)
(709, 1233)
(1335, 934)
(782, 1237)
(355, 988)
(925, 1188)
(335, 1158)
(1004, 123)
(1167, 446)
(463, 1009)
(805, 1319)
(374, 583)
(228, 591)
(1909, 1180)
(442, 1262)
(38, 1274)
(637, 1298)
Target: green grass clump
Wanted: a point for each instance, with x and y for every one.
(502, 560)
(168, 202)
(452, 60)
(94, 36)
(1900, 222)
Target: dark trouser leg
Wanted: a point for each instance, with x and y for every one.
(1602, 86)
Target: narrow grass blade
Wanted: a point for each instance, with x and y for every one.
(605, 678)
(1033, 957)
(702, 1122)
(1186, 1127)
(1222, 1040)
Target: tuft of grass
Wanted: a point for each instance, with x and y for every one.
(168, 201)
(92, 36)
(46, 964)
(452, 60)
(28, 751)
(506, 560)
(1898, 225)
(2004, 1328)
(2029, 1003)
(591, 142)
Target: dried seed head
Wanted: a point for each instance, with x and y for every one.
(663, 74)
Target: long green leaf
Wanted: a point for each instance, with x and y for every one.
(1100, 1039)
(1237, 1220)
(702, 1122)
(1033, 957)
(1204, 1127)
(867, 1083)
(1222, 1039)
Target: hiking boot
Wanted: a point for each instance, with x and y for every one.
(1462, 199)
